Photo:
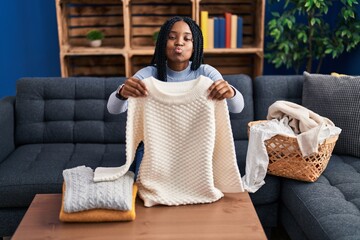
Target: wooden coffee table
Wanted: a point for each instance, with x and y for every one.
(232, 217)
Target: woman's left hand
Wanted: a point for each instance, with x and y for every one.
(220, 90)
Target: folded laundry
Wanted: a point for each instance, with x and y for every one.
(99, 215)
(82, 193)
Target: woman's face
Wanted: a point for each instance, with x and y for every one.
(179, 47)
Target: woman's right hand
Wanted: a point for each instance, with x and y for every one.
(133, 87)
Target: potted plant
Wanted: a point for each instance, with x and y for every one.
(301, 36)
(95, 37)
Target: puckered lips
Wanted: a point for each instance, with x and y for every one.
(178, 50)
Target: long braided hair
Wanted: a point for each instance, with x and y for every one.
(159, 58)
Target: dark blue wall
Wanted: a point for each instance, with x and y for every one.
(29, 45)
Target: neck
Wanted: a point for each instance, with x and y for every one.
(178, 66)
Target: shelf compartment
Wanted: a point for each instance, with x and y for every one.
(95, 66)
(146, 17)
(233, 63)
(252, 12)
(138, 62)
(78, 17)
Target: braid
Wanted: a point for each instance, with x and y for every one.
(198, 45)
(159, 57)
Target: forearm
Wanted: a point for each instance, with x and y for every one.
(236, 103)
(115, 105)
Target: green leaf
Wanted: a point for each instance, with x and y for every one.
(312, 21)
(328, 51)
(288, 23)
(326, 9)
(275, 14)
(272, 23)
(275, 33)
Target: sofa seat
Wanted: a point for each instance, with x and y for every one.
(320, 210)
(41, 168)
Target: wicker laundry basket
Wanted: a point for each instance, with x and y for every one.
(286, 160)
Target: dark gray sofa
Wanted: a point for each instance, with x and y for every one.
(53, 124)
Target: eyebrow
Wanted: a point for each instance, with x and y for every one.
(187, 33)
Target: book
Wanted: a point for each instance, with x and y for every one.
(234, 20)
(216, 33)
(227, 29)
(239, 38)
(210, 32)
(222, 32)
(203, 25)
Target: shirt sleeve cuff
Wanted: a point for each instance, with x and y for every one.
(118, 95)
(236, 103)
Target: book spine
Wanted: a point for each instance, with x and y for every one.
(239, 40)
(227, 30)
(222, 32)
(210, 33)
(233, 31)
(204, 28)
(216, 33)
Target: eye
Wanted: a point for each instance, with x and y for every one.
(171, 37)
(188, 39)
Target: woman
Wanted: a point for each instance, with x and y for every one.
(178, 57)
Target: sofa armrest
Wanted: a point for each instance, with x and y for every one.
(7, 123)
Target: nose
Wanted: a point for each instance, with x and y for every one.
(179, 42)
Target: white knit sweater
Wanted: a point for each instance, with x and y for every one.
(189, 154)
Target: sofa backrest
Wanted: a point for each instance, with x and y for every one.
(239, 121)
(67, 110)
(268, 89)
(73, 110)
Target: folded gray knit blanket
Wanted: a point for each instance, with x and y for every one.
(82, 193)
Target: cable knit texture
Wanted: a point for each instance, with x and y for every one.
(189, 154)
(99, 215)
(82, 193)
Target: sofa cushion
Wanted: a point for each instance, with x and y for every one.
(239, 121)
(37, 168)
(67, 110)
(330, 207)
(336, 98)
(269, 89)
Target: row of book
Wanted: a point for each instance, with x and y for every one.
(221, 32)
